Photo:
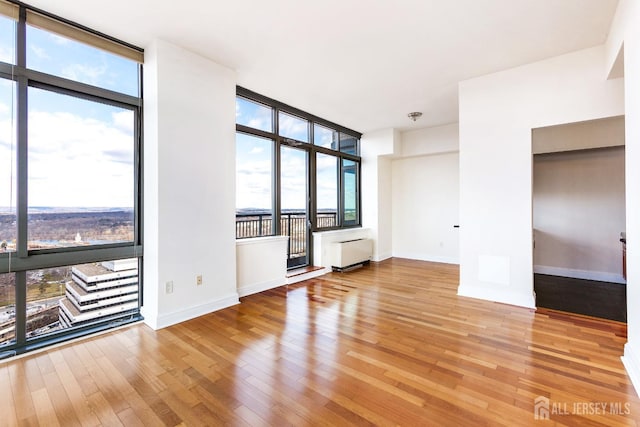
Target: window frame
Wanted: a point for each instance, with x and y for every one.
(273, 184)
(312, 149)
(23, 259)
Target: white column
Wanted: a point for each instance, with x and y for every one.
(189, 185)
(377, 149)
(626, 29)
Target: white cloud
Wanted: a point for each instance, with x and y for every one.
(256, 150)
(6, 54)
(251, 196)
(123, 120)
(253, 185)
(293, 127)
(294, 180)
(7, 162)
(59, 40)
(75, 161)
(255, 169)
(253, 115)
(39, 52)
(85, 73)
(326, 162)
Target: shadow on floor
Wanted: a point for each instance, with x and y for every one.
(598, 299)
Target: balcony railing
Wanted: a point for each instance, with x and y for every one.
(292, 224)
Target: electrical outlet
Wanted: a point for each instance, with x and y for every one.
(199, 279)
(168, 287)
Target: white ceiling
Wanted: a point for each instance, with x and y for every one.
(364, 64)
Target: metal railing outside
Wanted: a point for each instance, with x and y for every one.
(292, 224)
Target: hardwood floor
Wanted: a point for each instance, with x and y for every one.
(388, 344)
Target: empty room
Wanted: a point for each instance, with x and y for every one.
(338, 213)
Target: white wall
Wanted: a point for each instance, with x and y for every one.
(497, 114)
(385, 202)
(425, 208)
(376, 150)
(578, 213)
(261, 263)
(425, 195)
(599, 133)
(433, 140)
(189, 175)
(625, 29)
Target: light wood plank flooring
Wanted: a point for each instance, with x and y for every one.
(388, 344)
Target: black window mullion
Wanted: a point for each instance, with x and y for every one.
(256, 132)
(22, 172)
(359, 198)
(138, 166)
(80, 90)
(21, 137)
(313, 190)
(341, 196)
(276, 193)
(21, 308)
(20, 278)
(310, 223)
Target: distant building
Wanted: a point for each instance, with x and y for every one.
(99, 291)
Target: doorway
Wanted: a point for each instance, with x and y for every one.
(579, 218)
(294, 205)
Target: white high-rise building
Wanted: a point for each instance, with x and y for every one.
(98, 291)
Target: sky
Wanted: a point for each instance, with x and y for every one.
(254, 162)
(80, 152)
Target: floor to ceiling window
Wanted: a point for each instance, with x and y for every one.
(295, 173)
(70, 155)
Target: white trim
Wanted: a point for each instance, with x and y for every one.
(259, 287)
(501, 295)
(306, 276)
(600, 276)
(631, 361)
(382, 257)
(188, 313)
(260, 240)
(355, 230)
(427, 257)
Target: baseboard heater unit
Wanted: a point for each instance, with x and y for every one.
(351, 254)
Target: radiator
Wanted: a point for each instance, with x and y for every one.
(351, 252)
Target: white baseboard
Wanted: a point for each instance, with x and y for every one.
(306, 276)
(631, 361)
(381, 257)
(427, 257)
(259, 287)
(600, 276)
(168, 319)
(501, 295)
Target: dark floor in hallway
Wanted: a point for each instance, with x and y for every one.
(598, 299)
